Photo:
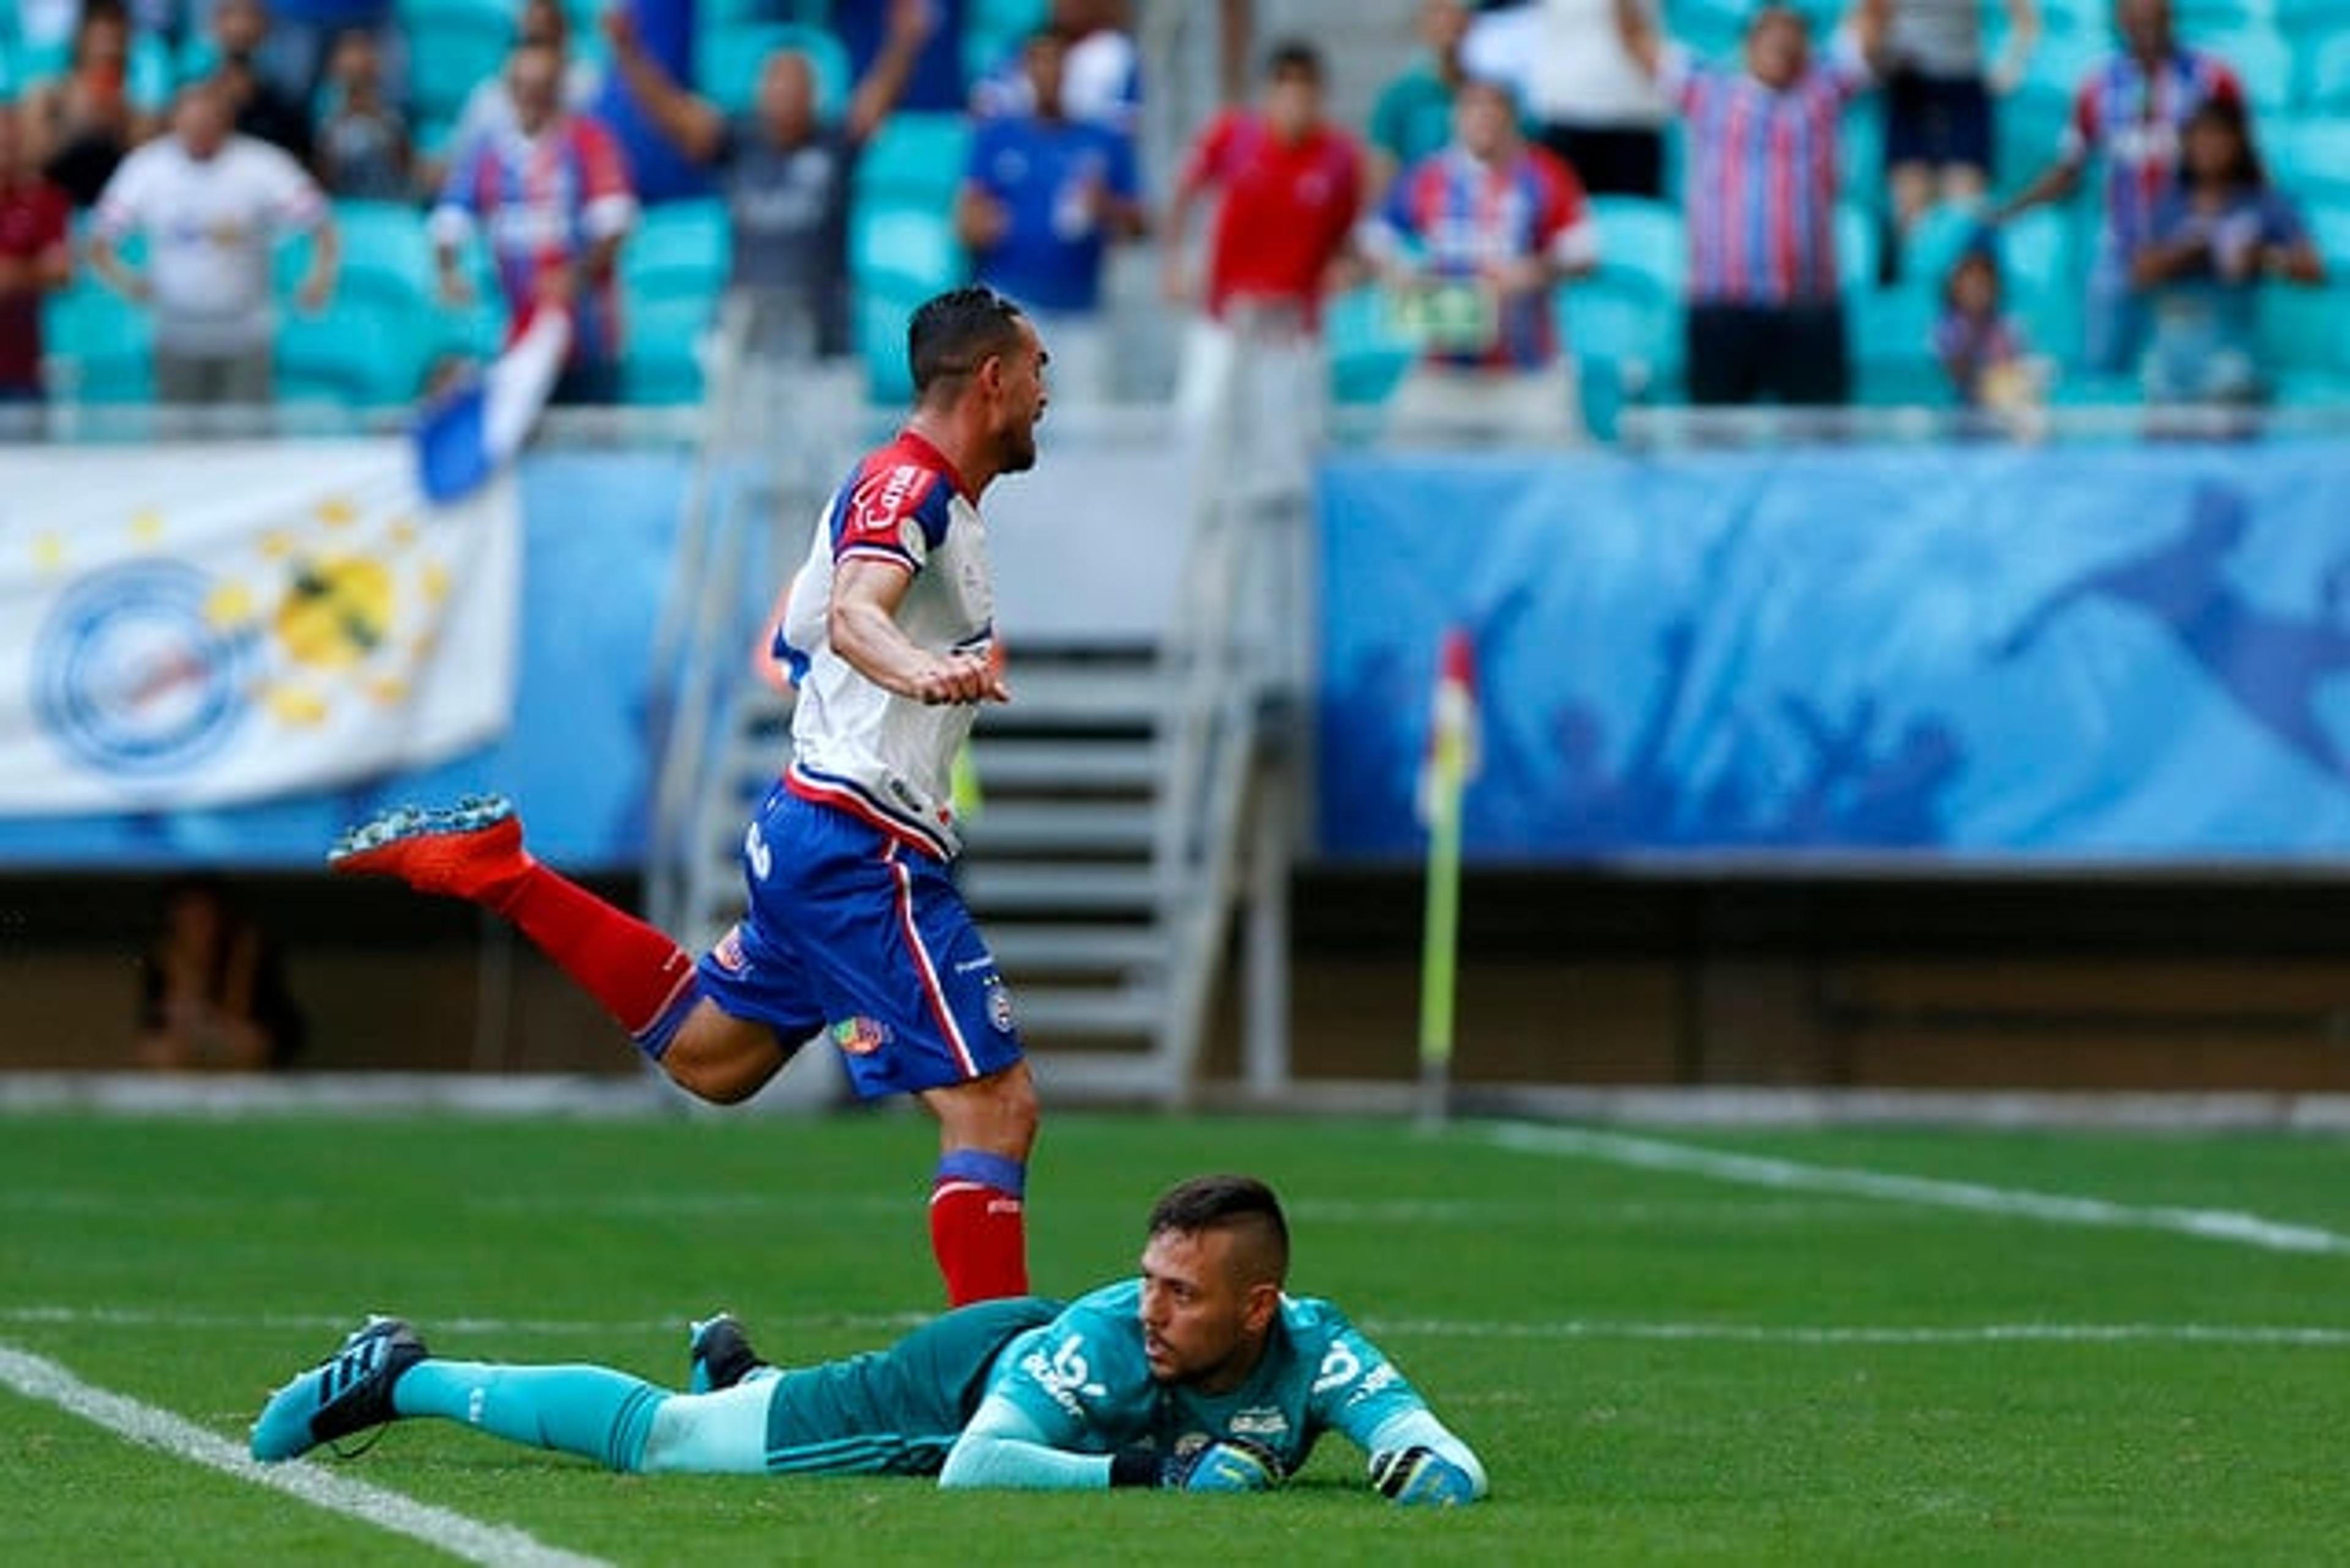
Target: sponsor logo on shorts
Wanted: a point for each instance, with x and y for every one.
(728, 954)
(860, 1036)
(999, 1005)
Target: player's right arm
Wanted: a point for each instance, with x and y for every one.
(862, 625)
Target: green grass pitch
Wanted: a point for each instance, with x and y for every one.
(1656, 1367)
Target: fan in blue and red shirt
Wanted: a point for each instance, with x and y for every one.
(36, 258)
(1506, 222)
(2128, 111)
(1763, 143)
(553, 198)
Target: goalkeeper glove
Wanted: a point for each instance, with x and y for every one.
(1421, 1478)
(1228, 1464)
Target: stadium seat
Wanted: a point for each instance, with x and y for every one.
(2044, 285)
(355, 353)
(2029, 126)
(1626, 333)
(2329, 225)
(2310, 160)
(2263, 63)
(1935, 242)
(1891, 334)
(906, 240)
(917, 157)
(101, 345)
(679, 248)
(2305, 330)
(728, 59)
(883, 304)
(1861, 165)
(992, 30)
(386, 256)
(2325, 84)
(661, 350)
(1858, 235)
(452, 46)
(1366, 360)
(1642, 238)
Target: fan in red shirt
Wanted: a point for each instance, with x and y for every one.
(1292, 184)
(35, 257)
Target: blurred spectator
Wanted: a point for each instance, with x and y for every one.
(1980, 347)
(2213, 238)
(1765, 308)
(1413, 115)
(212, 204)
(1596, 107)
(1937, 101)
(1477, 237)
(936, 83)
(1291, 186)
(265, 110)
(489, 108)
(36, 258)
(554, 200)
(213, 993)
(1101, 80)
(304, 35)
(2128, 110)
(786, 177)
(83, 123)
(1042, 198)
(363, 148)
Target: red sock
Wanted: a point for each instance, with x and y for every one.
(635, 972)
(979, 1231)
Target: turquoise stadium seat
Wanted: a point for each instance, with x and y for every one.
(1934, 244)
(1890, 332)
(2306, 331)
(103, 343)
(2029, 124)
(883, 304)
(1643, 239)
(2311, 159)
(386, 257)
(2044, 283)
(2263, 63)
(1862, 170)
(356, 353)
(917, 157)
(679, 248)
(661, 355)
(992, 30)
(1626, 336)
(728, 60)
(2325, 85)
(2329, 225)
(1366, 360)
(453, 45)
(1857, 236)
(906, 240)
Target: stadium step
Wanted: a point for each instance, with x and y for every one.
(990, 886)
(1065, 827)
(1007, 762)
(1070, 1010)
(1074, 948)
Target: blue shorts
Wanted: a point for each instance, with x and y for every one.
(1938, 121)
(855, 935)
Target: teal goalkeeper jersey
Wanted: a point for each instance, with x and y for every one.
(1083, 1379)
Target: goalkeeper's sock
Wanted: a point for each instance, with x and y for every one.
(646, 982)
(591, 1411)
(979, 1231)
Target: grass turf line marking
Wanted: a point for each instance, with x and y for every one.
(37, 1378)
(1787, 1175)
(2311, 1335)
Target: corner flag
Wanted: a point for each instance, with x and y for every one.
(1452, 762)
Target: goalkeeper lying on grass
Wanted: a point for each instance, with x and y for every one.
(1199, 1375)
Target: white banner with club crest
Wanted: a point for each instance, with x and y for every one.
(197, 626)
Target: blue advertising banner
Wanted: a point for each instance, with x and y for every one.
(1932, 657)
(597, 532)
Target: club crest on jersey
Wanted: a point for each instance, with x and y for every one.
(999, 1005)
(860, 1036)
(1259, 1421)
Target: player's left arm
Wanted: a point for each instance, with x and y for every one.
(1005, 1447)
(1416, 1459)
(863, 625)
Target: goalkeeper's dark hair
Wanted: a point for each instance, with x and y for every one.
(951, 335)
(1240, 1204)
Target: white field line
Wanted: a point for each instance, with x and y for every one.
(37, 1377)
(2314, 1335)
(1786, 1175)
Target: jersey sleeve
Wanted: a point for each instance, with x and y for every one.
(896, 511)
(607, 201)
(1081, 1386)
(1565, 231)
(1210, 154)
(291, 197)
(1358, 1392)
(2083, 127)
(121, 206)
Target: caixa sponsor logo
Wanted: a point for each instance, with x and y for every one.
(130, 676)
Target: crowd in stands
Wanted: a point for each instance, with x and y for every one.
(1553, 203)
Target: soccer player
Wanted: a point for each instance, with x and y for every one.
(1201, 1374)
(855, 929)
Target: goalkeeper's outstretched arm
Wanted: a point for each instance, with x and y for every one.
(1005, 1447)
(1417, 1460)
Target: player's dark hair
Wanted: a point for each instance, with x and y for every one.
(1292, 57)
(954, 334)
(1236, 1203)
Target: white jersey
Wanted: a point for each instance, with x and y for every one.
(211, 225)
(889, 759)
